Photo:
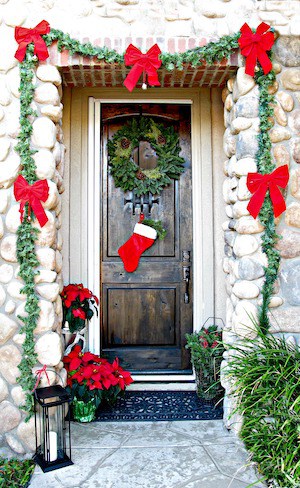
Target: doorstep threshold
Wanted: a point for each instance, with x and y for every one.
(162, 386)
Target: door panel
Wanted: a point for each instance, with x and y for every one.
(144, 317)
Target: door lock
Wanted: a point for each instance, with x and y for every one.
(186, 278)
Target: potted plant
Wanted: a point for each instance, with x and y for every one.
(79, 305)
(206, 356)
(91, 380)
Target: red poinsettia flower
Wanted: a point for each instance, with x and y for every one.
(123, 377)
(78, 312)
(74, 359)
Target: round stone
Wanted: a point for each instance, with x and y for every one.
(26, 434)
(59, 262)
(6, 273)
(13, 218)
(15, 13)
(239, 209)
(229, 143)
(4, 200)
(245, 244)
(10, 307)
(245, 314)
(276, 302)
(243, 192)
(14, 290)
(286, 101)
(44, 133)
(53, 197)
(47, 93)
(3, 390)
(13, 81)
(290, 282)
(10, 358)
(228, 104)
(47, 234)
(285, 320)
(9, 170)
(292, 215)
(273, 88)
(281, 155)
(247, 107)
(53, 112)
(246, 144)
(48, 72)
(290, 79)
(46, 257)
(7, 55)
(289, 244)
(14, 444)
(287, 51)
(295, 183)
(4, 147)
(9, 416)
(245, 289)
(239, 124)
(8, 248)
(243, 84)
(8, 328)
(49, 349)
(45, 276)
(46, 318)
(250, 269)
(1, 228)
(45, 164)
(279, 134)
(294, 121)
(19, 338)
(18, 395)
(5, 95)
(295, 144)
(280, 115)
(49, 291)
(248, 225)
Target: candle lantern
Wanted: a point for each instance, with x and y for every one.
(52, 428)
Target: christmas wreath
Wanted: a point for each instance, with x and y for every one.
(165, 142)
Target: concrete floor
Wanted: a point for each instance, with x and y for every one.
(180, 454)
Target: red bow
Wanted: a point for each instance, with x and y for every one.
(259, 184)
(32, 194)
(25, 36)
(143, 63)
(254, 47)
(39, 373)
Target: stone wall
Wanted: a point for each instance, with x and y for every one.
(91, 19)
(244, 259)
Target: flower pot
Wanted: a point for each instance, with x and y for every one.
(83, 411)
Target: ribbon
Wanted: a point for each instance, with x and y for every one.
(32, 194)
(25, 36)
(142, 63)
(79, 336)
(39, 373)
(258, 184)
(254, 46)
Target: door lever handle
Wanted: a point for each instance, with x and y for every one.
(186, 279)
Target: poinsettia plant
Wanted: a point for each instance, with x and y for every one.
(79, 305)
(92, 377)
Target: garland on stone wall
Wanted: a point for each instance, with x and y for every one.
(27, 234)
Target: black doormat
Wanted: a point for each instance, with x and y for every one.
(160, 405)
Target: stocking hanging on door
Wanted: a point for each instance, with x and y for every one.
(142, 238)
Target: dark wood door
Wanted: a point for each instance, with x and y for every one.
(144, 314)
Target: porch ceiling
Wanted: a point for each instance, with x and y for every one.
(79, 71)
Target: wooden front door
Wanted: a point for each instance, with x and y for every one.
(146, 314)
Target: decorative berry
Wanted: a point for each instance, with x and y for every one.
(125, 143)
(161, 139)
(140, 175)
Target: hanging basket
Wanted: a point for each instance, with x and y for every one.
(208, 378)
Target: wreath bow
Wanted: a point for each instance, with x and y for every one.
(26, 36)
(142, 63)
(254, 46)
(33, 195)
(258, 184)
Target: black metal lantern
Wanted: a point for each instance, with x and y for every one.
(52, 427)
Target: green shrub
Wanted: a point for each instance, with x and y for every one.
(15, 473)
(266, 376)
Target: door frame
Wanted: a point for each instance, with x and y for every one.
(201, 150)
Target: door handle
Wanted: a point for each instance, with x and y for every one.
(186, 279)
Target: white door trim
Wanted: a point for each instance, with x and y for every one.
(203, 282)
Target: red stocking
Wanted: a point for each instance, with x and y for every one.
(142, 238)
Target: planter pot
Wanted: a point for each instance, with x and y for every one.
(83, 412)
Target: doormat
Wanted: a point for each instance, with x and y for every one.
(160, 405)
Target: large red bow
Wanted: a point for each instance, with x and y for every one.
(258, 184)
(147, 63)
(32, 194)
(25, 36)
(254, 47)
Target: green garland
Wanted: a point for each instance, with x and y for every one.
(27, 234)
(127, 175)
